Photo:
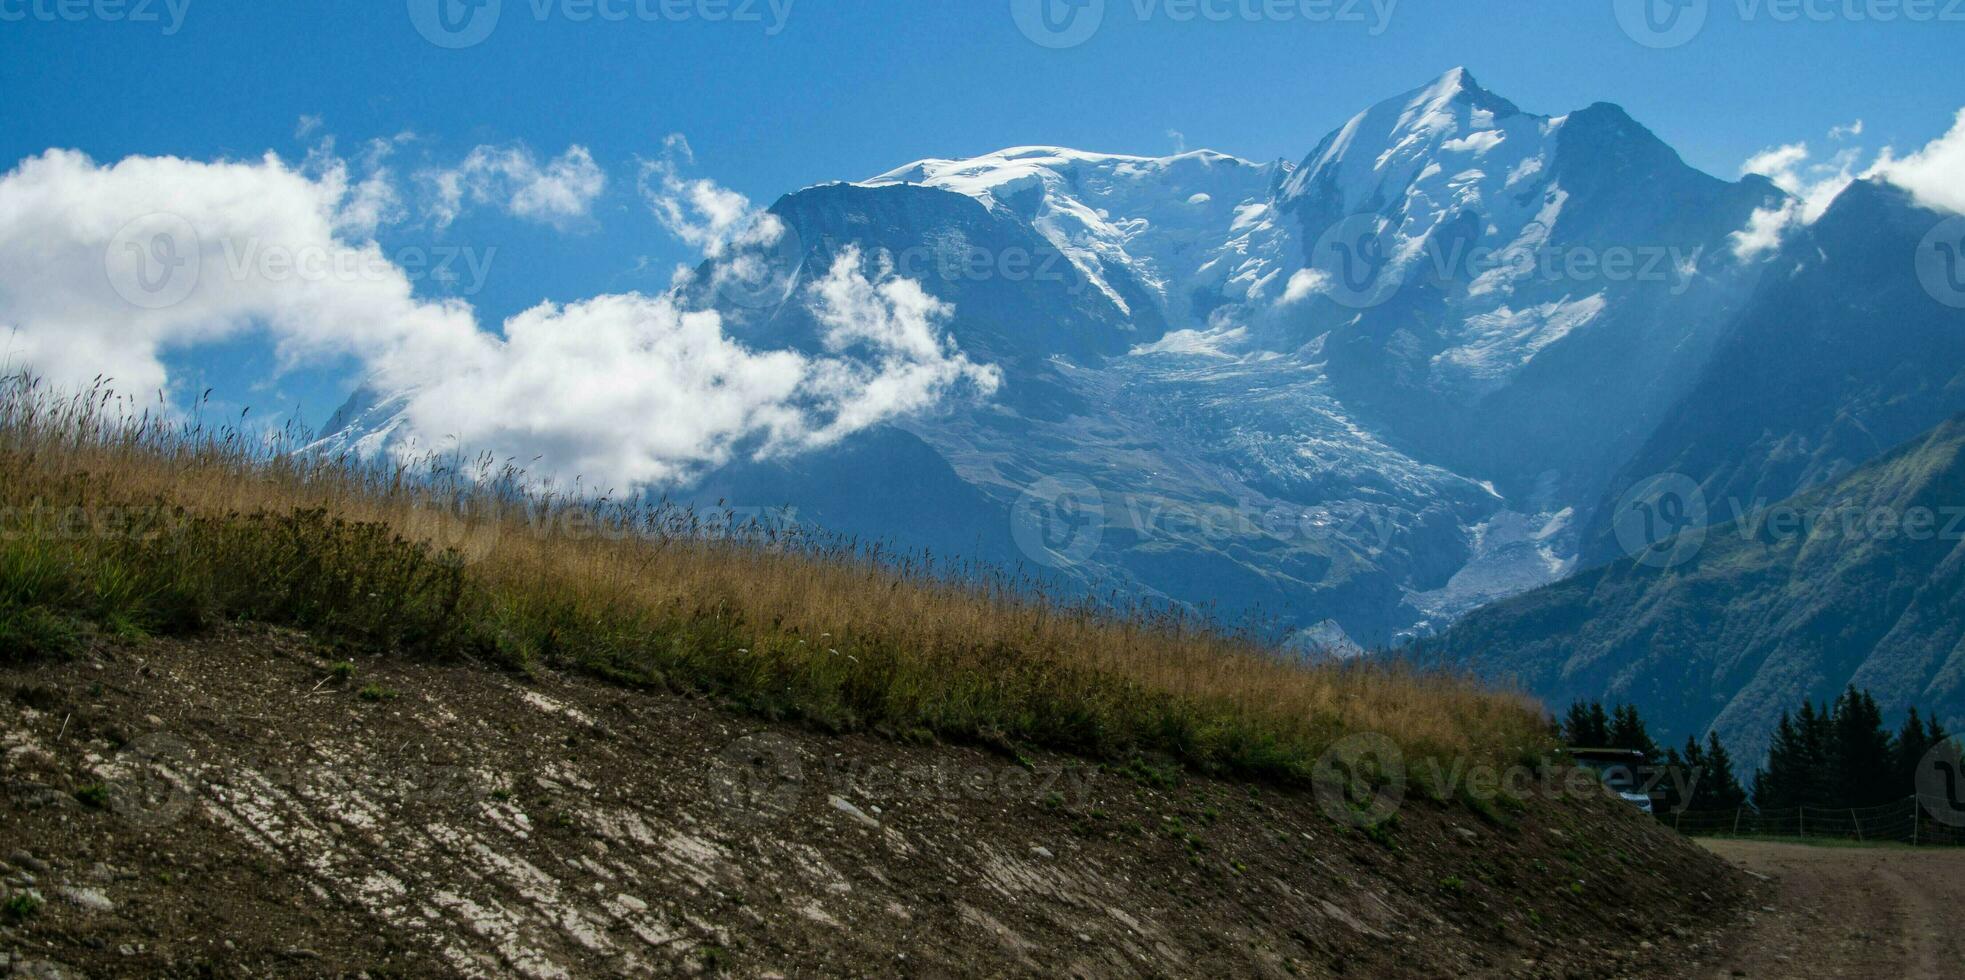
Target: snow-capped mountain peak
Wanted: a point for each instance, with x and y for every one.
(1113, 214)
(1173, 331)
(998, 177)
(1448, 144)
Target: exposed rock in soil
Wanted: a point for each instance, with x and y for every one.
(225, 807)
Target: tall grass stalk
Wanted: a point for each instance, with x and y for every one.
(126, 518)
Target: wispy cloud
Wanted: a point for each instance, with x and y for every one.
(707, 216)
(1935, 176)
(559, 192)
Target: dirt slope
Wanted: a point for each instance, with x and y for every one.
(227, 807)
(1850, 912)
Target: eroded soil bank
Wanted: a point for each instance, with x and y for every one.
(229, 806)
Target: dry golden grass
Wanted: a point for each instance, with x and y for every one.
(774, 621)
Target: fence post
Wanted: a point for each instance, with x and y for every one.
(1801, 820)
(1736, 819)
(1916, 814)
(1858, 824)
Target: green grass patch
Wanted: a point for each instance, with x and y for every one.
(147, 530)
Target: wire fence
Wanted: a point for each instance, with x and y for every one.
(1913, 821)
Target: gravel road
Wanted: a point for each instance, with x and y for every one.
(1850, 912)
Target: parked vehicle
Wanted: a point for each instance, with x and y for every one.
(1625, 772)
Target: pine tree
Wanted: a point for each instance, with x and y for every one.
(1576, 725)
(1814, 772)
(1797, 771)
(1586, 726)
(1773, 785)
(1862, 754)
(1682, 768)
(1913, 743)
(1627, 731)
(1719, 787)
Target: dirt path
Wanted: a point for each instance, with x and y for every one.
(1851, 912)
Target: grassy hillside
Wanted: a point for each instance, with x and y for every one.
(118, 522)
(1862, 581)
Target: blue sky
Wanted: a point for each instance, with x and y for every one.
(849, 89)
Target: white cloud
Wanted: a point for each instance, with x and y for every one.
(710, 218)
(1303, 284)
(1778, 163)
(632, 390)
(104, 268)
(905, 364)
(746, 241)
(1935, 175)
(1765, 229)
(306, 127)
(368, 203)
(559, 193)
(1812, 187)
(86, 250)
